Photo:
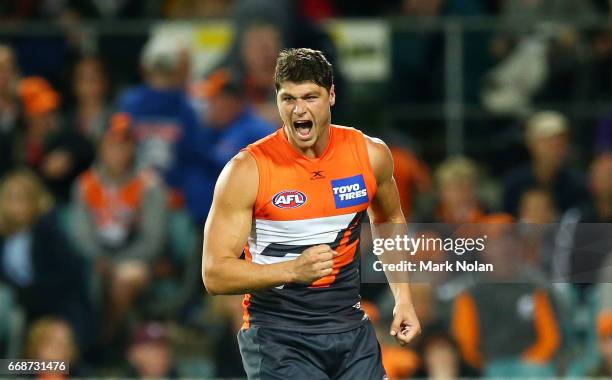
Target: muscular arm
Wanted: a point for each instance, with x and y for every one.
(226, 232)
(385, 211)
(387, 222)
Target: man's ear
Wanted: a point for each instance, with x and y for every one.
(332, 95)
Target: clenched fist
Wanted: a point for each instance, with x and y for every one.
(314, 263)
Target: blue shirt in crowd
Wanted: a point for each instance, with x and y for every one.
(166, 125)
(221, 145)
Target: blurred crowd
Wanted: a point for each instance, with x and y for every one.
(110, 149)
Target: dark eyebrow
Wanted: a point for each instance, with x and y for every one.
(310, 93)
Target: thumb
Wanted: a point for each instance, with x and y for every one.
(396, 325)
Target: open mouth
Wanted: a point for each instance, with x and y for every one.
(303, 128)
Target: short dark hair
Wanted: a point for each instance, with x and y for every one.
(301, 65)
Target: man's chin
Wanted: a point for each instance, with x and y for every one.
(305, 144)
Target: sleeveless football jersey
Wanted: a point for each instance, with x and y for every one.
(115, 209)
(302, 202)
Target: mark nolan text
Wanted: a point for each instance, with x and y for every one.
(430, 266)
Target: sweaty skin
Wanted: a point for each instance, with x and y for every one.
(223, 272)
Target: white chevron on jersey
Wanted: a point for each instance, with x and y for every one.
(297, 233)
(263, 259)
(300, 232)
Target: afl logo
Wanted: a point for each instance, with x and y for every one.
(289, 199)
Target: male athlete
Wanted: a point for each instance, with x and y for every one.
(291, 205)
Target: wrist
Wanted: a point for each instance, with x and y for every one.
(288, 271)
(403, 304)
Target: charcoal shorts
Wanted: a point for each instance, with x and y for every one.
(270, 354)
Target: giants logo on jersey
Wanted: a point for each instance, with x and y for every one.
(289, 199)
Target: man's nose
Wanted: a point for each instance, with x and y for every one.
(299, 108)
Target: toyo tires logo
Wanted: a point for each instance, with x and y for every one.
(289, 199)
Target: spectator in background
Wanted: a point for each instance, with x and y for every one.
(547, 139)
(458, 183)
(119, 220)
(229, 117)
(457, 180)
(442, 357)
(537, 206)
(592, 241)
(230, 124)
(510, 296)
(537, 213)
(11, 118)
(411, 176)
(598, 209)
(604, 332)
(57, 153)
(40, 102)
(260, 44)
(149, 354)
(37, 260)
(164, 121)
(263, 28)
(52, 339)
(90, 87)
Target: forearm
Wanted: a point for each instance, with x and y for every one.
(401, 292)
(230, 275)
(393, 254)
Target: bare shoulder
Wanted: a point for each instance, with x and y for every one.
(380, 158)
(239, 180)
(243, 162)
